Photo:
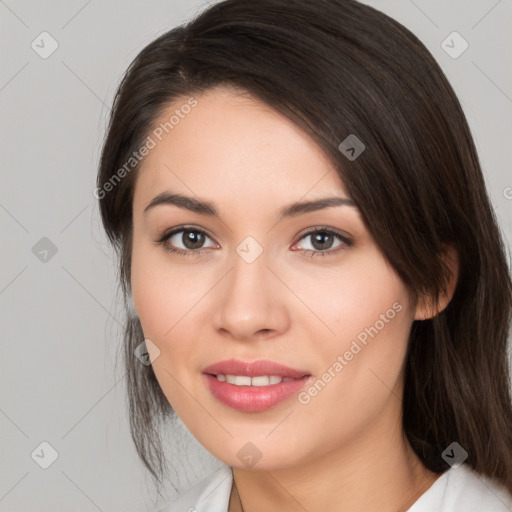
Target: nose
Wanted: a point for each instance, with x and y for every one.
(250, 301)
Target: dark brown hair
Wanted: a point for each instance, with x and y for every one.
(336, 68)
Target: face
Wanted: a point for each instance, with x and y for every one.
(308, 289)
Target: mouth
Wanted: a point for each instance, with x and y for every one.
(259, 368)
(253, 387)
(245, 380)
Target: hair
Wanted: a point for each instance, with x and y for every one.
(336, 68)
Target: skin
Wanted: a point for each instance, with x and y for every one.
(345, 449)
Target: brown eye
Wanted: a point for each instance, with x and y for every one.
(322, 241)
(192, 239)
(185, 241)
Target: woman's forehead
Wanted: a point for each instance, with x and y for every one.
(243, 146)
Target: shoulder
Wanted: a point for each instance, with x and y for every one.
(209, 495)
(461, 489)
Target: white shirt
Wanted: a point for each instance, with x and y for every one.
(457, 490)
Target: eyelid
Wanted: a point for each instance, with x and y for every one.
(314, 229)
(186, 227)
(346, 238)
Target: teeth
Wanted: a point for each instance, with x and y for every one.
(244, 380)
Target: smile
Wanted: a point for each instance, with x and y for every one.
(244, 380)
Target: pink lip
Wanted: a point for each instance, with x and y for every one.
(254, 369)
(253, 398)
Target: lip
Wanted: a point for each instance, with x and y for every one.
(254, 369)
(253, 398)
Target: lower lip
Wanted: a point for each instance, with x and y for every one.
(253, 398)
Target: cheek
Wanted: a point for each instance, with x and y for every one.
(363, 340)
(364, 292)
(167, 299)
(154, 301)
(162, 298)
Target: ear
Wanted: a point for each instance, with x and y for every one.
(426, 308)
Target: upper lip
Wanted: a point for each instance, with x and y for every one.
(254, 369)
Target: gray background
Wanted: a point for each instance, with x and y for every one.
(60, 318)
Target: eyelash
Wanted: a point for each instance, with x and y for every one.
(346, 242)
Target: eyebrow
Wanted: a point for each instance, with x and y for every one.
(208, 208)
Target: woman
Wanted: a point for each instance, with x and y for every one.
(374, 377)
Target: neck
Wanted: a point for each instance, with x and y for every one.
(371, 472)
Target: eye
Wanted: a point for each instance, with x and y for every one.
(322, 240)
(192, 240)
